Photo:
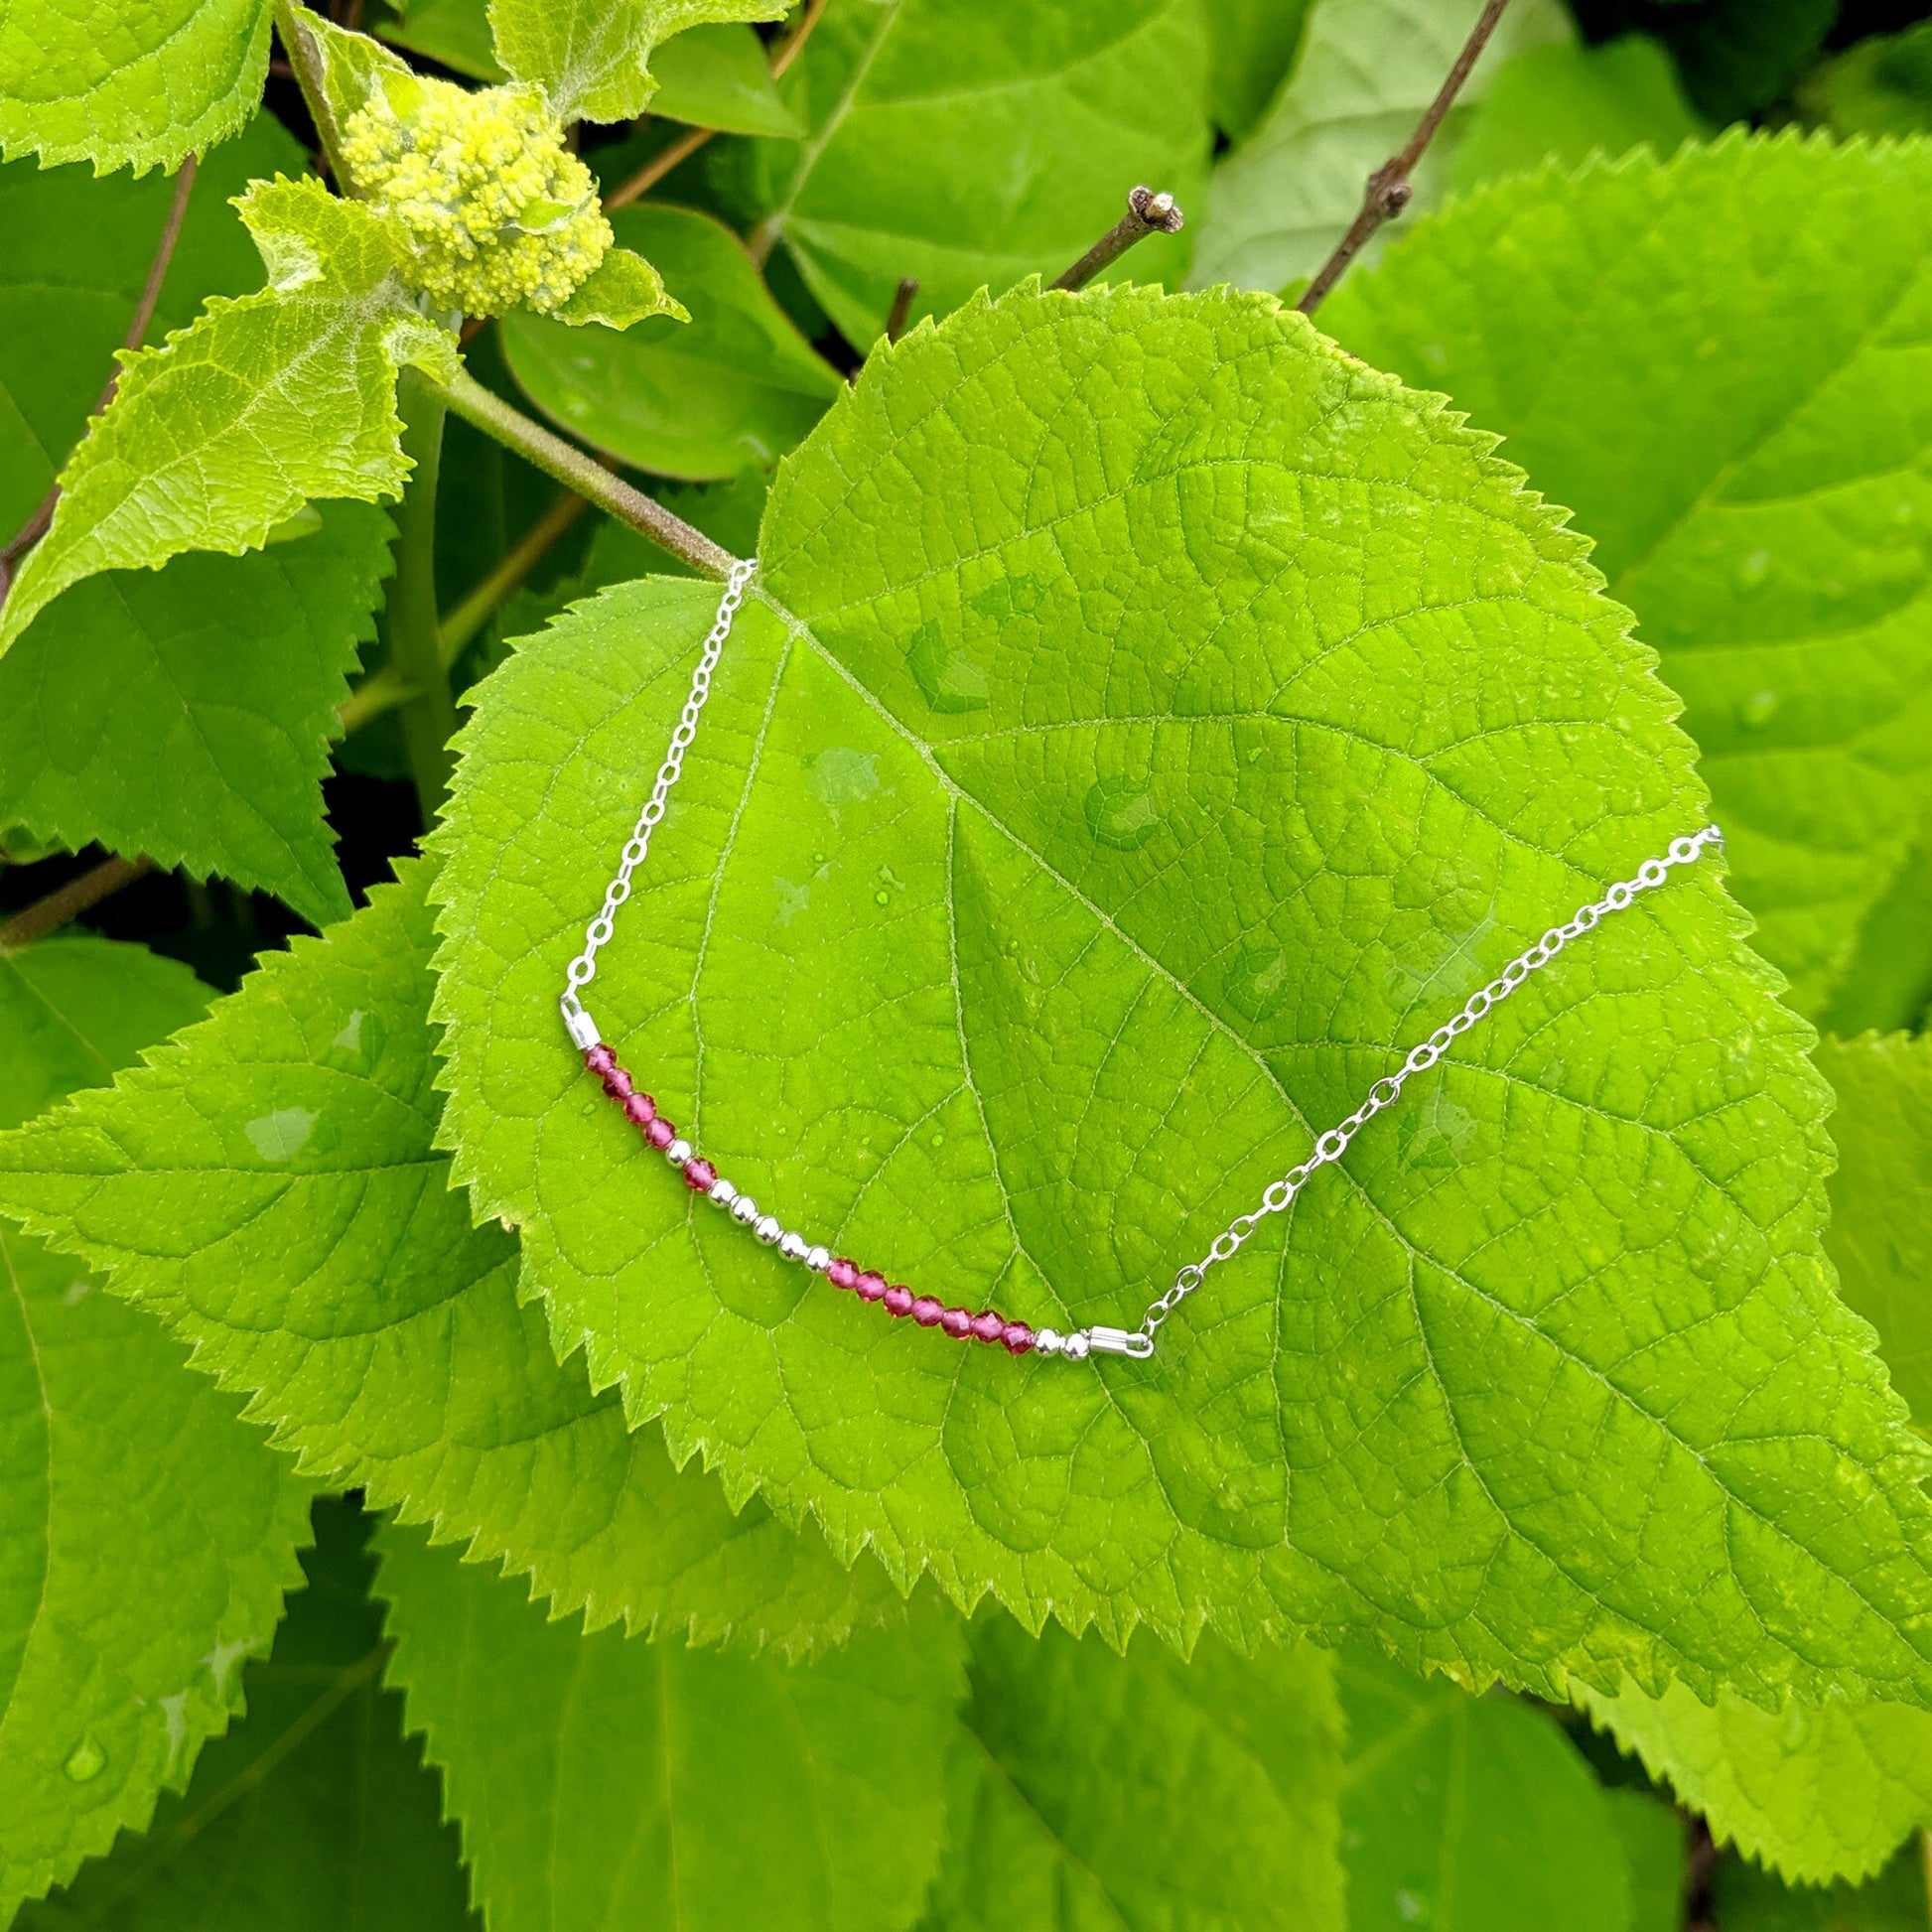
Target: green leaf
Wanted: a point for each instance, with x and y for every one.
(1087, 1789)
(1652, 1836)
(591, 56)
(719, 76)
(1881, 1237)
(313, 1814)
(265, 403)
(149, 1534)
(1565, 101)
(979, 145)
(1157, 722)
(1880, 86)
(188, 714)
(1886, 983)
(455, 33)
(604, 1780)
(1749, 1899)
(268, 1186)
(1740, 56)
(1815, 1793)
(620, 290)
(1436, 1782)
(1279, 203)
(735, 385)
(1252, 45)
(141, 87)
(78, 250)
(1747, 458)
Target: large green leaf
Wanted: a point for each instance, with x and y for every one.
(703, 399)
(1815, 1793)
(1157, 721)
(262, 404)
(1881, 1235)
(979, 141)
(1747, 1898)
(268, 1188)
(1437, 1784)
(133, 86)
(1750, 458)
(313, 1814)
(1282, 200)
(148, 1534)
(607, 1781)
(186, 714)
(1880, 86)
(1252, 46)
(590, 57)
(720, 75)
(1092, 1791)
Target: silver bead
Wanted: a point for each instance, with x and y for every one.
(723, 1192)
(1074, 1347)
(769, 1229)
(792, 1244)
(1049, 1341)
(678, 1153)
(818, 1259)
(745, 1210)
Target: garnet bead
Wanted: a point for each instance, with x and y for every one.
(699, 1174)
(660, 1133)
(957, 1324)
(600, 1059)
(641, 1109)
(989, 1324)
(897, 1299)
(871, 1285)
(1018, 1337)
(843, 1273)
(926, 1309)
(617, 1083)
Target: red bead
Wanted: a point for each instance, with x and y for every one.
(989, 1324)
(617, 1083)
(641, 1109)
(871, 1285)
(660, 1133)
(699, 1173)
(1018, 1337)
(600, 1059)
(843, 1273)
(897, 1299)
(926, 1309)
(957, 1324)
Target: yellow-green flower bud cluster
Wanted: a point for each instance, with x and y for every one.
(492, 208)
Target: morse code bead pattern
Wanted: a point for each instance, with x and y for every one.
(962, 1325)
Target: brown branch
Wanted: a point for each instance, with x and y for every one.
(51, 914)
(687, 144)
(909, 288)
(1147, 213)
(31, 532)
(1390, 190)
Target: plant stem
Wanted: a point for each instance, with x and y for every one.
(49, 914)
(1389, 188)
(409, 614)
(31, 532)
(306, 58)
(586, 476)
(686, 145)
(1147, 213)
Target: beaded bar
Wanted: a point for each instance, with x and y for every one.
(962, 1325)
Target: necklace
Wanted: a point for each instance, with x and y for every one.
(989, 1324)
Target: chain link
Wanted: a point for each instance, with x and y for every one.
(583, 969)
(1335, 1143)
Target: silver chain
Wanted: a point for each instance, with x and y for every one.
(583, 969)
(1335, 1143)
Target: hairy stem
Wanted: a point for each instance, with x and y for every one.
(31, 532)
(1147, 213)
(586, 476)
(51, 914)
(306, 59)
(409, 614)
(1389, 188)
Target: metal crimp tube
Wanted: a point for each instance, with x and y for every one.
(582, 1028)
(1119, 1341)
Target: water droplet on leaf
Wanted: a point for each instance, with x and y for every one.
(1257, 984)
(283, 1134)
(1756, 710)
(950, 678)
(1120, 813)
(1753, 569)
(87, 1761)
